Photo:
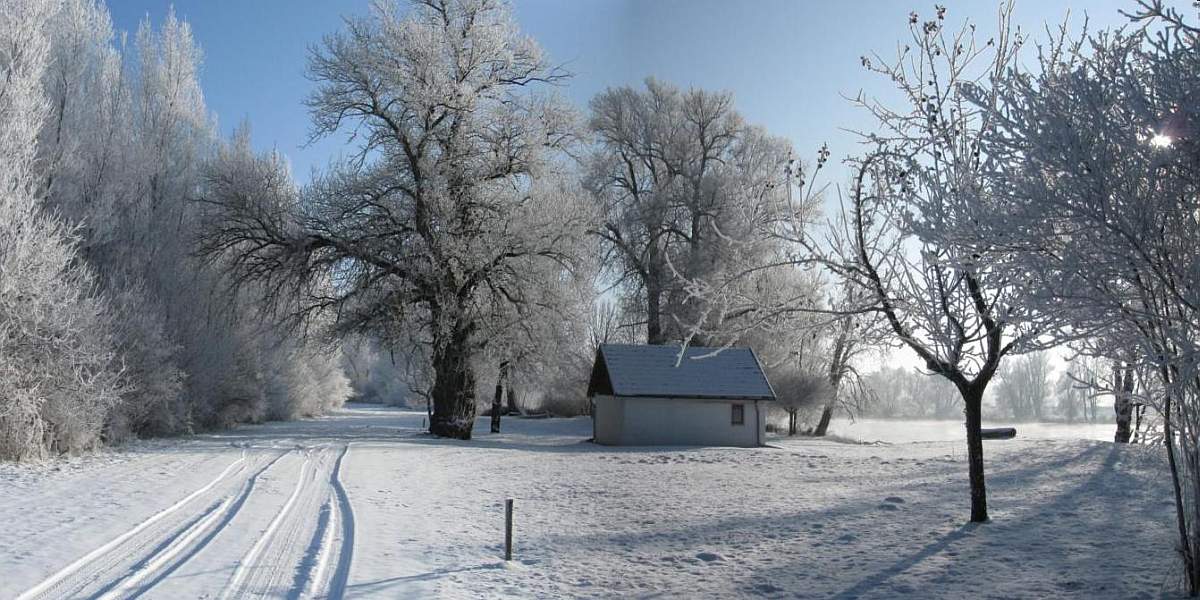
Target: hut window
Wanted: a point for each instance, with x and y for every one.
(739, 414)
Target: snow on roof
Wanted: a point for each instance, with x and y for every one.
(633, 370)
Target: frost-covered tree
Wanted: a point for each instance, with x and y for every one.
(800, 380)
(677, 173)
(542, 352)
(457, 194)
(92, 163)
(1098, 152)
(119, 158)
(1023, 387)
(849, 336)
(943, 298)
(898, 392)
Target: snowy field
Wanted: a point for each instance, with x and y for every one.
(362, 504)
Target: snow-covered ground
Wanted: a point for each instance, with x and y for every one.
(362, 504)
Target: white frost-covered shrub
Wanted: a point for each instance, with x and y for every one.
(58, 377)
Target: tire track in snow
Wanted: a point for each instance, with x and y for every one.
(157, 567)
(124, 588)
(310, 576)
(286, 551)
(247, 566)
(307, 550)
(66, 573)
(332, 541)
(341, 575)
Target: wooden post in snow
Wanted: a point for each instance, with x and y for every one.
(508, 529)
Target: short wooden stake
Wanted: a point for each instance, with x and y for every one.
(508, 529)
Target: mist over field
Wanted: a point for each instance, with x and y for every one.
(898, 431)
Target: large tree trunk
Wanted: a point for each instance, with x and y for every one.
(453, 392)
(973, 399)
(792, 423)
(1122, 401)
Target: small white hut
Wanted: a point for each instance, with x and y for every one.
(649, 396)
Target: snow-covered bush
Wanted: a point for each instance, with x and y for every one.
(302, 382)
(59, 380)
(801, 395)
(564, 403)
(155, 404)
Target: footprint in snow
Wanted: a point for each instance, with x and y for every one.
(886, 506)
(709, 557)
(767, 588)
(894, 499)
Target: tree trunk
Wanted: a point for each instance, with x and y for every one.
(453, 392)
(791, 423)
(1090, 402)
(1122, 401)
(827, 412)
(497, 397)
(973, 399)
(823, 423)
(1139, 410)
(1186, 541)
(654, 331)
(837, 367)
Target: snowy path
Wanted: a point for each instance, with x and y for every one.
(362, 504)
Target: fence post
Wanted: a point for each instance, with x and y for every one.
(508, 505)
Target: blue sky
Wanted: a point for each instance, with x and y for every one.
(788, 62)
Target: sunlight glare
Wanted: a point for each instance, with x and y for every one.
(1160, 140)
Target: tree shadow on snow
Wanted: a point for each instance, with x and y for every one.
(1021, 475)
(380, 585)
(900, 566)
(1054, 542)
